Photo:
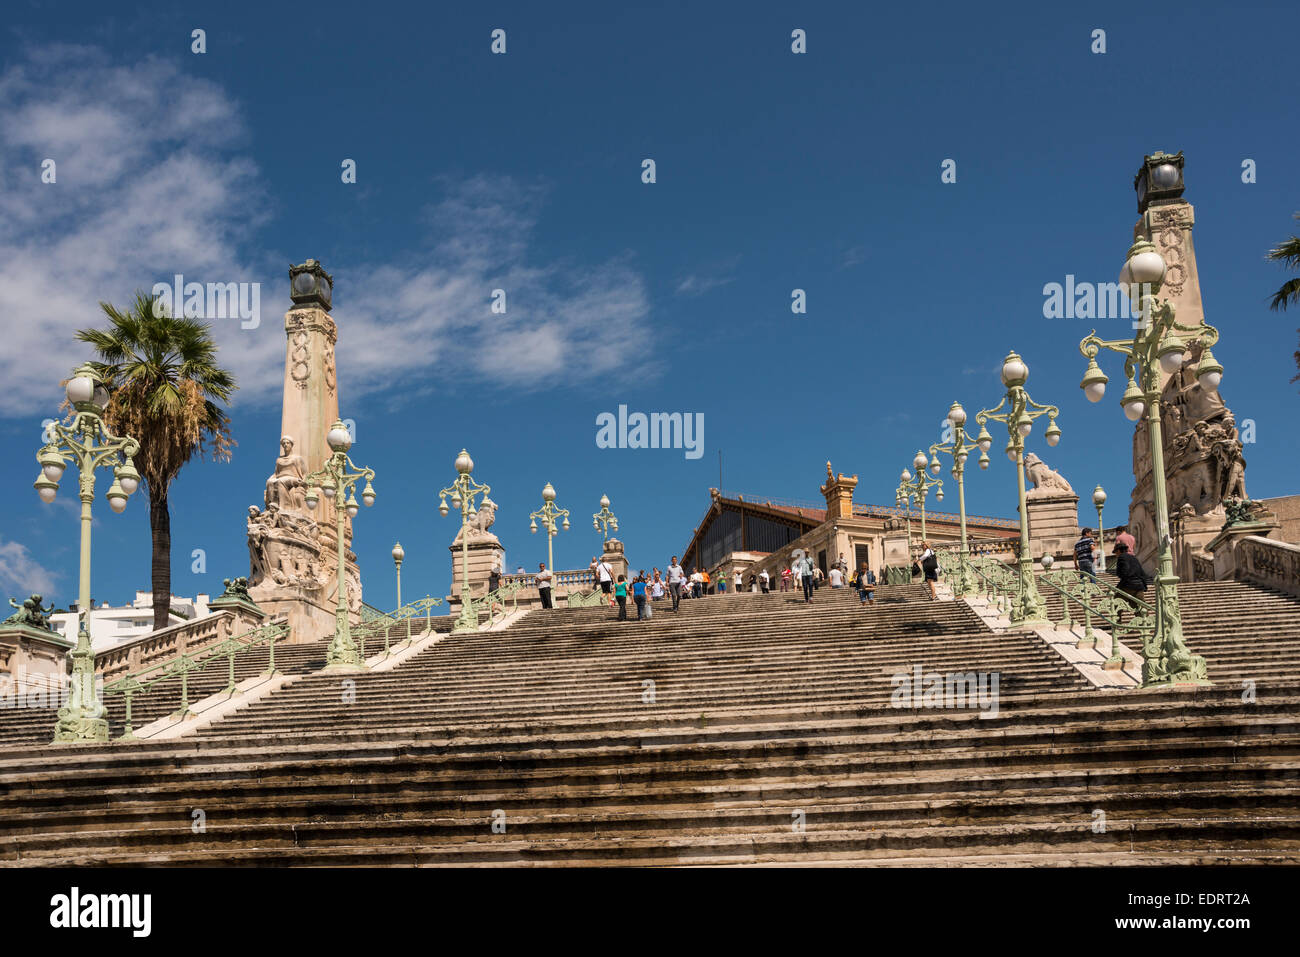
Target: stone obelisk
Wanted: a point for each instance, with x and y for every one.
(1202, 450)
(293, 548)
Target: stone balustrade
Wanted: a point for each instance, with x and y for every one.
(185, 637)
(1269, 563)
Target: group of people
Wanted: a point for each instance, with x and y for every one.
(1133, 578)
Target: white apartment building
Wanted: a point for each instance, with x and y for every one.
(110, 626)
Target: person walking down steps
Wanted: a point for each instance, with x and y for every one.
(803, 568)
(929, 567)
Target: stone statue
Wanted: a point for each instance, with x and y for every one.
(30, 613)
(1046, 481)
(286, 487)
(235, 588)
(257, 535)
(484, 519)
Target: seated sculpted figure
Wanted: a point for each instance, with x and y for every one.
(286, 487)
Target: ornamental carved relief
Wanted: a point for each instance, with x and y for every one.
(300, 358)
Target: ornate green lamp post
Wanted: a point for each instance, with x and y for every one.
(548, 513)
(1021, 410)
(336, 480)
(959, 448)
(463, 492)
(1099, 499)
(399, 553)
(1158, 343)
(90, 446)
(919, 486)
(604, 521)
(903, 499)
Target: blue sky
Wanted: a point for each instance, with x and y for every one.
(522, 171)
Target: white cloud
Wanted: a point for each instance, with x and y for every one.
(22, 575)
(151, 183)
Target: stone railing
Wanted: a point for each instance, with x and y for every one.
(186, 637)
(1202, 568)
(1270, 563)
(573, 580)
(1004, 548)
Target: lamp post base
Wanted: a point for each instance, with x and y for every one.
(468, 619)
(343, 654)
(73, 729)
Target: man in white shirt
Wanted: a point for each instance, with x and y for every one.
(544, 584)
(675, 576)
(837, 577)
(803, 570)
(605, 575)
(763, 579)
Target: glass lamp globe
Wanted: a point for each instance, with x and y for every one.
(1011, 450)
(398, 552)
(1014, 370)
(1164, 176)
(938, 496)
(1208, 372)
(1047, 561)
(906, 476)
(604, 501)
(80, 388)
(129, 477)
(1171, 355)
(565, 525)
(352, 507)
(1053, 434)
(532, 526)
(45, 488)
(1094, 382)
(957, 415)
(328, 491)
(368, 495)
(961, 457)
(464, 464)
(442, 508)
(1133, 402)
(311, 498)
(984, 460)
(1024, 424)
(984, 440)
(338, 437)
(918, 462)
(116, 498)
(52, 464)
(1146, 267)
(548, 493)
(1099, 496)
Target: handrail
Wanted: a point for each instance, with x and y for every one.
(507, 592)
(370, 627)
(1106, 602)
(137, 682)
(589, 599)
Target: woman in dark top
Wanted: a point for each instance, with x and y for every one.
(1133, 579)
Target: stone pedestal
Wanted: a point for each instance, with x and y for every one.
(1223, 546)
(614, 557)
(32, 656)
(485, 554)
(1053, 523)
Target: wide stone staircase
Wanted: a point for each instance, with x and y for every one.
(746, 729)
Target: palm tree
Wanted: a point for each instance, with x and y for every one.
(1288, 253)
(166, 388)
